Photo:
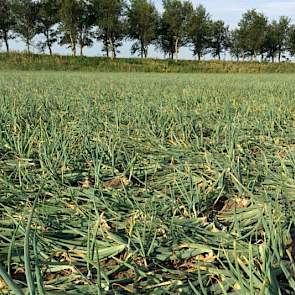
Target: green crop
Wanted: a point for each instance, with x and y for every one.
(147, 183)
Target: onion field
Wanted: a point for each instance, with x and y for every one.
(133, 183)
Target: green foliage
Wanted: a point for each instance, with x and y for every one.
(173, 29)
(199, 33)
(252, 29)
(77, 21)
(143, 20)
(85, 24)
(7, 22)
(147, 184)
(26, 20)
(220, 38)
(291, 40)
(236, 46)
(282, 34)
(111, 24)
(277, 36)
(47, 20)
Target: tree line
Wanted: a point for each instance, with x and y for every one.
(78, 23)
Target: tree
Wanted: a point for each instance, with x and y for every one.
(85, 24)
(26, 20)
(165, 40)
(219, 38)
(282, 33)
(111, 24)
(291, 40)
(142, 25)
(7, 22)
(276, 41)
(252, 30)
(235, 44)
(271, 41)
(69, 15)
(47, 19)
(174, 24)
(235, 47)
(199, 31)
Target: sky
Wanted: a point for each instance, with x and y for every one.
(230, 11)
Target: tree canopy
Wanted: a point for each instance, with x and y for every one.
(7, 21)
(111, 25)
(79, 23)
(142, 25)
(174, 26)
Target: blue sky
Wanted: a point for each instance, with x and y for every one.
(231, 10)
(228, 10)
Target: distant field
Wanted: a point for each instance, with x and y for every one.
(147, 183)
(39, 62)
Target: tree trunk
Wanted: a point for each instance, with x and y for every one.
(113, 56)
(141, 49)
(6, 41)
(145, 50)
(199, 56)
(272, 58)
(176, 48)
(81, 45)
(28, 45)
(112, 48)
(74, 49)
(107, 48)
(50, 50)
(219, 57)
(7, 45)
(73, 45)
(48, 42)
(280, 53)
